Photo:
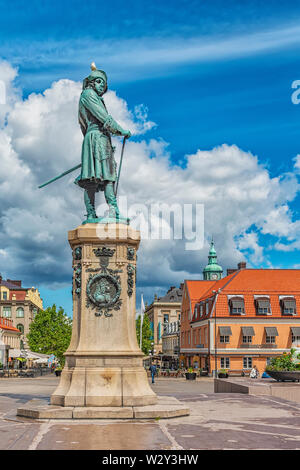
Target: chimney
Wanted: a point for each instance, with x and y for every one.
(231, 270)
(242, 265)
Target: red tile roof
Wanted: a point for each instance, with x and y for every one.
(250, 282)
(197, 289)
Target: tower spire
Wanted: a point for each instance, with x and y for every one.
(212, 271)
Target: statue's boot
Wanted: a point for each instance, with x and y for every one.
(89, 200)
(111, 200)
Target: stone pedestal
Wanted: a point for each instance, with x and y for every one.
(103, 362)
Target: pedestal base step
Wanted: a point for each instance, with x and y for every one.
(167, 407)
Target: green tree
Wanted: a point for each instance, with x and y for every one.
(146, 333)
(50, 332)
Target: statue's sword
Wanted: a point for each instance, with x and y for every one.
(60, 176)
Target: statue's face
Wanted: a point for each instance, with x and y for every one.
(99, 85)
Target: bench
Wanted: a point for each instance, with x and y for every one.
(238, 372)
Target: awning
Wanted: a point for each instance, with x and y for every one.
(263, 303)
(237, 303)
(289, 303)
(225, 331)
(271, 331)
(248, 331)
(295, 330)
(42, 360)
(14, 353)
(33, 355)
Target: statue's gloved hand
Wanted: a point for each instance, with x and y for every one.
(126, 134)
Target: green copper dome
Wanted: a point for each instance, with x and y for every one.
(213, 271)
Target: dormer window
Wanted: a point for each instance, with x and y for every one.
(207, 307)
(263, 306)
(201, 310)
(236, 306)
(288, 306)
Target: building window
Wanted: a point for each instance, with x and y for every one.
(207, 307)
(288, 306)
(270, 339)
(224, 339)
(20, 312)
(295, 339)
(201, 310)
(247, 339)
(263, 306)
(7, 312)
(21, 328)
(225, 362)
(196, 312)
(4, 295)
(237, 306)
(247, 362)
(268, 361)
(166, 318)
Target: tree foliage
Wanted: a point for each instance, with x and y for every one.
(50, 332)
(146, 333)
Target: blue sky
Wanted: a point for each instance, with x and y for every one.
(210, 72)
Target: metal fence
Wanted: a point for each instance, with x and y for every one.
(33, 372)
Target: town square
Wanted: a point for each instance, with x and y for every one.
(149, 229)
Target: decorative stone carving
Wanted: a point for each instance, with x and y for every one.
(77, 279)
(77, 253)
(130, 253)
(130, 279)
(104, 251)
(103, 291)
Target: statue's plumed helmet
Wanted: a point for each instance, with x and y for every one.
(93, 75)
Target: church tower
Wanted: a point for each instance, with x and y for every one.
(212, 272)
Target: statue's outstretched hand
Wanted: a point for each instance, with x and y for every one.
(127, 134)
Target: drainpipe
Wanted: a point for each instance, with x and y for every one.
(214, 310)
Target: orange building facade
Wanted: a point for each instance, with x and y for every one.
(241, 320)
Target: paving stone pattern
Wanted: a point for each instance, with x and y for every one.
(217, 421)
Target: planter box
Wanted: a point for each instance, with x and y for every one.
(222, 376)
(190, 375)
(58, 373)
(282, 376)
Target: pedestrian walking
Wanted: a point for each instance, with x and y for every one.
(153, 372)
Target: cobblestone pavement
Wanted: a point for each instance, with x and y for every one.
(217, 421)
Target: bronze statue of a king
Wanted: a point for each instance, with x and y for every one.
(98, 165)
